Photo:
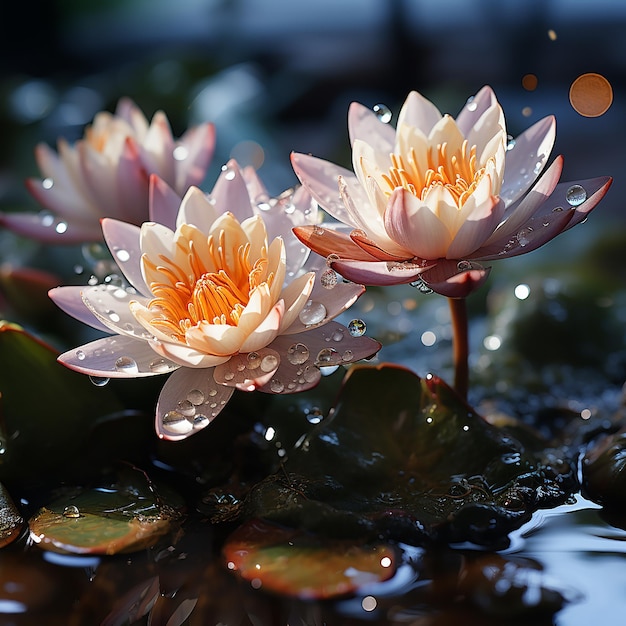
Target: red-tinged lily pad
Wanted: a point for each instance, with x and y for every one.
(11, 521)
(118, 518)
(299, 564)
(404, 457)
(46, 410)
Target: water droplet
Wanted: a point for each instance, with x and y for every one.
(269, 363)
(122, 255)
(99, 381)
(264, 206)
(471, 105)
(310, 373)
(127, 365)
(80, 355)
(510, 142)
(421, 286)
(71, 511)
(464, 266)
(357, 328)
(212, 393)
(47, 183)
(314, 415)
(277, 386)
(347, 356)
(254, 360)
(200, 421)
(113, 316)
(177, 423)
(318, 230)
(61, 227)
(229, 173)
(382, 113)
(557, 209)
(576, 195)
(229, 375)
(312, 313)
(186, 408)
(159, 366)
(180, 153)
(328, 278)
(327, 355)
(523, 236)
(297, 353)
(338, 335)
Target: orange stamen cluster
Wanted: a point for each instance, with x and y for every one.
(457, 172)
(217, 295)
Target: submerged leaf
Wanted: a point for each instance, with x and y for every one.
(107, 520)
(297, 563)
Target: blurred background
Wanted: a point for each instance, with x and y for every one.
(278, 75)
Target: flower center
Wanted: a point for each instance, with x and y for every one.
(457, 172)
(216, 295)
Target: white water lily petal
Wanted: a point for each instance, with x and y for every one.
(123, 242)
(189, 401)
(365, 125)
(70, 299)
(117, 357)
(196, 209)
(448, 192)
(248, 371)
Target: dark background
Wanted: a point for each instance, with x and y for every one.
(281, 73)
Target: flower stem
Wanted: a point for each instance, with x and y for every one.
(460, 345)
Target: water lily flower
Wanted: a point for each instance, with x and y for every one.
(434, 199)
(215, 301)
(106, 174)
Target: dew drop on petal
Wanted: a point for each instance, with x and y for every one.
(523, 236)
(269, 363)
(312, 313)
(186, 408)
(277, 386)
(80, 355)
(357, 328)
(464, 266)
(328, 278)
(310, 373)
(176, 422)
(254, 360)
(347, 356)
(421, 286)
(327, 355)
(510, 142)
(314, 415)
(180, 153)
(557, 209)
(337, 335)
(127, 365)
(229, 375)
(297, 353)
(122, 255)
(576, 195)
(383, 113)
(159, 366)
(61, 227)
(71, 511)
(200, 421)
(99, 381)
(47, 183)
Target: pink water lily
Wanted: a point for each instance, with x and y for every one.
(434, 199)
(215, 301)
(106, 174)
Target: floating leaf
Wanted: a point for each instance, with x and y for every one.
(11, 521)
(405, 457)
(106, 520)
(46, 409)
(297, 563)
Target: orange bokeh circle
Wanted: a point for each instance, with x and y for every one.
(591, 95)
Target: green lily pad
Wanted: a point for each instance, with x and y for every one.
(404, 457)
(118, 518)
(46, 410)
(296, 563)
(11, 521)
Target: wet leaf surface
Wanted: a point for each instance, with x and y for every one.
(296, 563)
(11, 521)
(118, 518)
(404, 457)
(45, 409)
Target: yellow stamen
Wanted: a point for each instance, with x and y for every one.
(183, 301)
(457, 172)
